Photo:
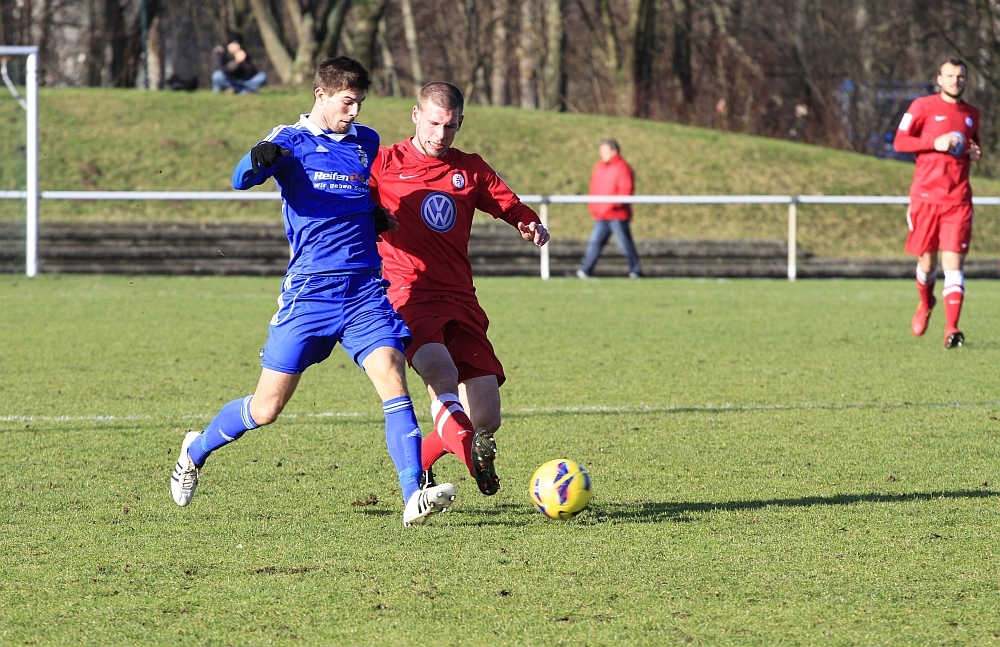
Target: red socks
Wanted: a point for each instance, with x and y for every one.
(925, 286)
(432, 449)
(952, 311)
(453, 432)
(926, 291)
(954, 294)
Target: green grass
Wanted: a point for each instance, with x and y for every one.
(159, 141)
(774, 463)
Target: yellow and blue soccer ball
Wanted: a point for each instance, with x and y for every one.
(560, 489)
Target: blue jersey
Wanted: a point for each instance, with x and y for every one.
(326, 205)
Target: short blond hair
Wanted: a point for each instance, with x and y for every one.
(443, 95)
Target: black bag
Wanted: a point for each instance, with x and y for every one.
(176, 82)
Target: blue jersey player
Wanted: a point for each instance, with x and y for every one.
(333, 291)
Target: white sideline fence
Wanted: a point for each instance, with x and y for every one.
(31, 194)
(31, 242)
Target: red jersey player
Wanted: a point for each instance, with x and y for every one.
(943, 131)
(434, 190)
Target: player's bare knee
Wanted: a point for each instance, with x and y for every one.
(264, 413)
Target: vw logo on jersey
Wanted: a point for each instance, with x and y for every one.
(968, 122)
(458, 181)
(438, 211)
(362, 157)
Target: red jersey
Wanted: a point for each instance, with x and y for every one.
(434, 201)
(612, 178)
(940, 178)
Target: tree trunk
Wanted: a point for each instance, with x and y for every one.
(498, 58)
(682, 58)
(363, 36)
(334, 25)
(641, 53)
(553, 77)
(388, 62)
(526, 56)
(95, 44)
(410, 33)
(270, 33)
(305, 54)
(124, 33)
(154, 53)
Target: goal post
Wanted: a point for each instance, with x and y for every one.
(31, 150)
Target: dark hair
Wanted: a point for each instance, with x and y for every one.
(442, 94)
(234, 37)
(612, 143)
(957, 62)
(341, 73)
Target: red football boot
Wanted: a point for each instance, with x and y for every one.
(920, 318)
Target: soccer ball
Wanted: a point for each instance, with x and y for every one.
(959, 147)
(560, 489)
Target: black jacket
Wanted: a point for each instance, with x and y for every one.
(224, 61)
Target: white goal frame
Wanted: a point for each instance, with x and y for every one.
(30, 193)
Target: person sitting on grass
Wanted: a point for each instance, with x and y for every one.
(234, 71)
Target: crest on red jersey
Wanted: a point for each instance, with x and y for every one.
(458, 181)
(968, 122)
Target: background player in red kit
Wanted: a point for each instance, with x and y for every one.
(434, 190)
(943, 131)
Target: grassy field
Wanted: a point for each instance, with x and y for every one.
(128, 140)
(774, 463)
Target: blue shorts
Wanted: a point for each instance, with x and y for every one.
(315, 311)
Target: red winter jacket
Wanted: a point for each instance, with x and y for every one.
(612, 178)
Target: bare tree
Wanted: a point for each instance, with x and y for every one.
(498, 55)
(154, 54)
(553, 77)
(681, 57)
(526, 56)
(412, 45)
(314, 27)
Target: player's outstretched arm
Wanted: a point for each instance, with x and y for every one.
(258, 165)
(533, 232)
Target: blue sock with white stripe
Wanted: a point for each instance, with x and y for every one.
(232, 421)
(402, 435)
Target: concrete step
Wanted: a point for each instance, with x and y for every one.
(495, 249)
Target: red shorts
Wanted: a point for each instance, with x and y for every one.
(947, 227)
(459, 325)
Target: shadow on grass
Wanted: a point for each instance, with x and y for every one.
(682, 511)
(512, 515)
(735, 408)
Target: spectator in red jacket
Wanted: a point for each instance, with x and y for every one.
(611, 176)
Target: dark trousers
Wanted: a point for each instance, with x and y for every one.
(599, 237)
(221, 82)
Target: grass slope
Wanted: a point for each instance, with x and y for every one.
(774, 463)
(128, 140)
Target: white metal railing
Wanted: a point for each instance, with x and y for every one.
(542, 200)
(791, 200)
(31, 151)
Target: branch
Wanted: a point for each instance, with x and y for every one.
(280, 57)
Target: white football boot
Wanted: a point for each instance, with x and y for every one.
(428, 501)
(185, 477)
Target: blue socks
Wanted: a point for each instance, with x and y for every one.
(402, 435)
(232, 421)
